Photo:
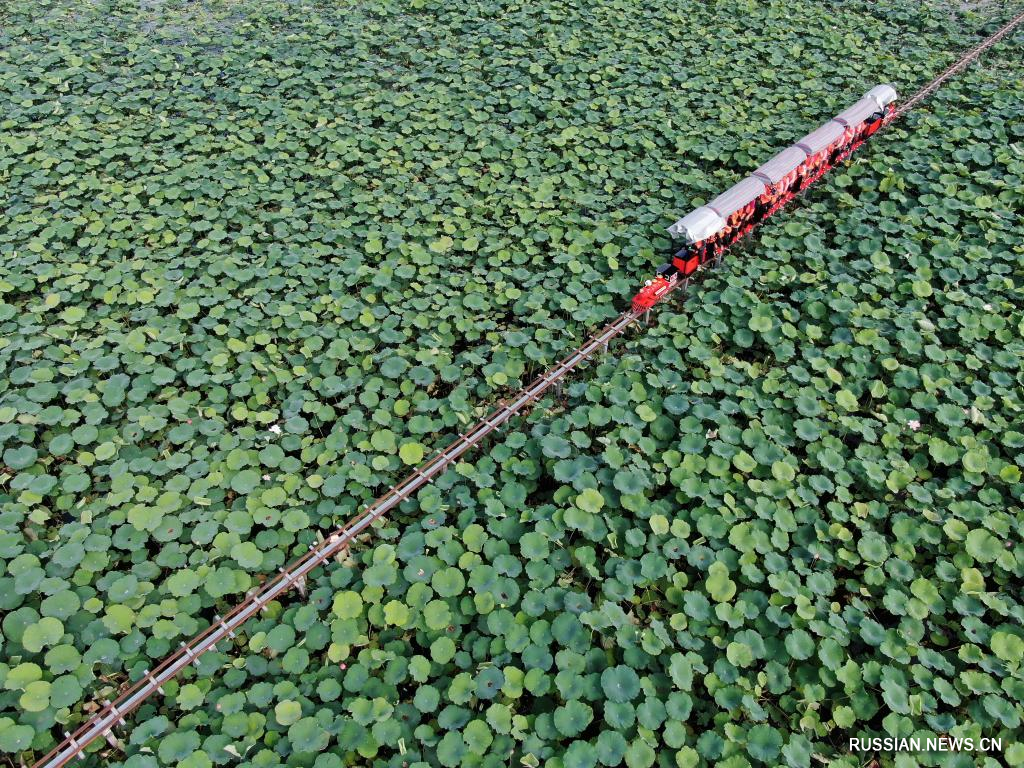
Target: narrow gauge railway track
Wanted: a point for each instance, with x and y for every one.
(113, 713)
(965, 60)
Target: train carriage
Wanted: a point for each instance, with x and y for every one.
(713, 227)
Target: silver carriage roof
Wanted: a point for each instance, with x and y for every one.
(708, 220)
(776, 169)
(697, 225)
(738, 196)
(821, 138)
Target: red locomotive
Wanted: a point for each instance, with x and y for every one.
(712, 228)
(655, 289)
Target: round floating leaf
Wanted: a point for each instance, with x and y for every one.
(448, 582)
(178, 745)
(451, 749)
(307, 735)
(411, 453)
(630, 482)
(975, 461)
(45, 632)
(873, 548)
(983, 546)
(620, 683)
(573, 717)
(19, 677)
(61, 444)
(846, 400)
(35, 696)
(764, 743)
(580, 754)
(22, 457)
(288, 712)
(190, 696)
(477, 737)
(442, 650)
(799, 644)
(247, 555)
(719, 585)
(489, 683)
(383, 440)
(426, 699)
(396, 613)
(555, 447)
(245, 481)
(14, 737)
(590, 501)
(347, 605)
(783, 472)
(640, 754)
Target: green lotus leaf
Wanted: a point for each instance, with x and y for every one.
(764, 743)
(590, 500)
(983, 546)
(307, 735)
(799, 644)
(22, 457)
(46, 632)
(383, 440)
(247, 555)
(19, 677)
(448, 582)
(572, 717)
(65, 691)
(411, 453)
(451, 749)
(190, 696)
(14, 737)
(620, 683)
(442, 650)
(555, 447)
(718, 584)
(35, 696)
(288, 712)
(580, 754)
(477, 737)
(975, 461)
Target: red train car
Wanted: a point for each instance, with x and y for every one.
(713, 227)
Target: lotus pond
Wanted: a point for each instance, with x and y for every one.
(258, 258)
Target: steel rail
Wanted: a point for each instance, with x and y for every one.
(113, 712)
(957, 66)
